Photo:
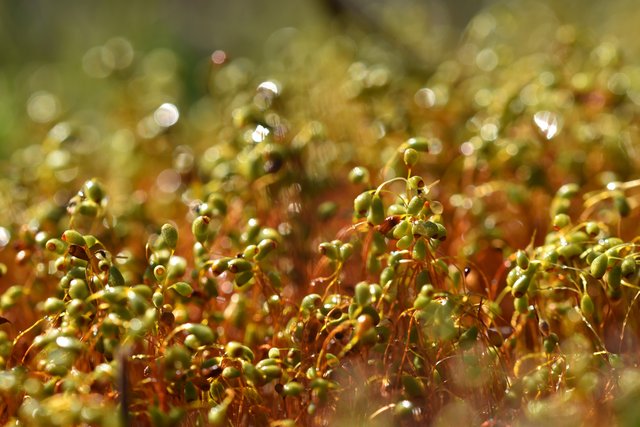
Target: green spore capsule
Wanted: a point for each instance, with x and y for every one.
(599, 266)
(376, 211)
(410, 157)
(200, 228)
(628, 266)
(169, 234)
(361, 203)
(586, 305)
(418, 144)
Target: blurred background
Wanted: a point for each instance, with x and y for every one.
(51, 48)
(54, 49)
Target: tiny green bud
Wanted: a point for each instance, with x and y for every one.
(200, 228)
(237, 265)
(170, 235)
(292, 389)
(182, 288)
(586, 305)
(410, 157)
(599, 266)
(72, 237)
(561, 220)
(362, 295)
(522, 259)
(329, 250)
(628, 266)
(568, 190)
(418, 144)
(359, 175)
(376, 211)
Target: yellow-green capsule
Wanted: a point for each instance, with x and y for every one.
(230, 372)
(521, 286)
(362, 295)
(72, 237)
(170, 235)
(56, 246)
(236, 265)
(362, 203)
(561, 220)
(614, 277)
(200, 228)
(521, 304)
(404, 242)
(401, 229)
(202, 332)
(599, 266)
(359, 175)
(182, 288)
(586, 305)
(94, 190)
(418, 144)
(415, 205)
(88, 208)
(78, 289)
(427, 229)
(218, 415)
(376, 211)
(621, 204)
(346, 250)
(265, 247)
(628, 266)
(243, 277)
(522, 259)
(220, 265)
(292, 388)
(410, 157)
(415, 182)
(329, 250)
(270, 371)
(53, 305)
(419, 252)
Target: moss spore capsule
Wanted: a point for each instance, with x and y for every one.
(169, 234)
(418, 144)
(200, 228)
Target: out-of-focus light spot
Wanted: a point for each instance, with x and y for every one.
(483, 97)
(547, 78)
(467, 148)
(60, 132)
(269, 86)
(65, 342)
(98, 62)
(548, 123)
(43, 107)
(487, 60)
(122, 52)
(58, 159)
(219, 57)
(168, 181)
(166, 115)
(5, 237)
(618, 83)
(259, 134)
(435, 146)
(512, 149)
(613, 185)
(489, 132)
(425, 98)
